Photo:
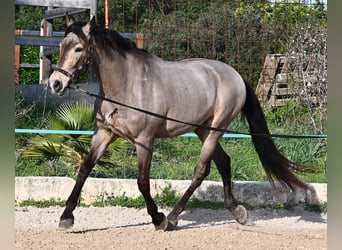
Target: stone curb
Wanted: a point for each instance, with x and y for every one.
(254, 194)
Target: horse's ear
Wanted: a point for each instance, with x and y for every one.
(89, 26)
(93, 22)
(69, 20)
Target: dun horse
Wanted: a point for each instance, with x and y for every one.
(198, 91)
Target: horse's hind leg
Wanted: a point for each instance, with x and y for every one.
(222, 161)
(201, 171)
(100, 142)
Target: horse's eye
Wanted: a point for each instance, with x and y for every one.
(78, 49)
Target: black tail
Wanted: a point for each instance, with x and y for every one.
(274, 163)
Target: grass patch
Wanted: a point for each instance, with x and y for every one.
(167, 198)
(320, 208)
(139, 203)
(42, 204)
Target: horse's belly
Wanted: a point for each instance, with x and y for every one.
(184, 122)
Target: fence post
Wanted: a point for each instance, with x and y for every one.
(17, 59)
(140, 40)
(45, 61)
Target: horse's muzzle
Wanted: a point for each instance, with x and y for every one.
(56, 87)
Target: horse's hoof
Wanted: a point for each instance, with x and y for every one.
(241, 215)
(171, 225)
(163, 225)
(66, 223)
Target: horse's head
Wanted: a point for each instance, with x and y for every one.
(75, 55)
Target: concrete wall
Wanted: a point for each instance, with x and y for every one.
(253, 194)
(39, 93)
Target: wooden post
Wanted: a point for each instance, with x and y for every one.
(45, 61)
(17, 60)
(107, 14)
(140, 40)
(42, 68)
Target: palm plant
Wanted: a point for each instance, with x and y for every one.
(71, 147)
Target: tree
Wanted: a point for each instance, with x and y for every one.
(308, 49)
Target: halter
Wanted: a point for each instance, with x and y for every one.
(80, 69)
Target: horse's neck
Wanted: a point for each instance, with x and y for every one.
(112, 74)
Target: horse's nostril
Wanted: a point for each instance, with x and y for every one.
(57, 85)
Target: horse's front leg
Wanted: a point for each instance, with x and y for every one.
(100, 142)
(144, 154)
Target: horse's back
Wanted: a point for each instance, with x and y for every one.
(199, 91)
(210, 81)
(205, 73)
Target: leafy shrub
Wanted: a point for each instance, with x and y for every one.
(62, 150)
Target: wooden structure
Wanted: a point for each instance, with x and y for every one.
(277, 83)
(64, 4)
(50, 45)
(283, 79)
(47, 39)
(55, 8)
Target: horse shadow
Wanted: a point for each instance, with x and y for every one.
(199, 217)
(290, 207)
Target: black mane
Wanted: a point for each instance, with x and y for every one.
(105, 37)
